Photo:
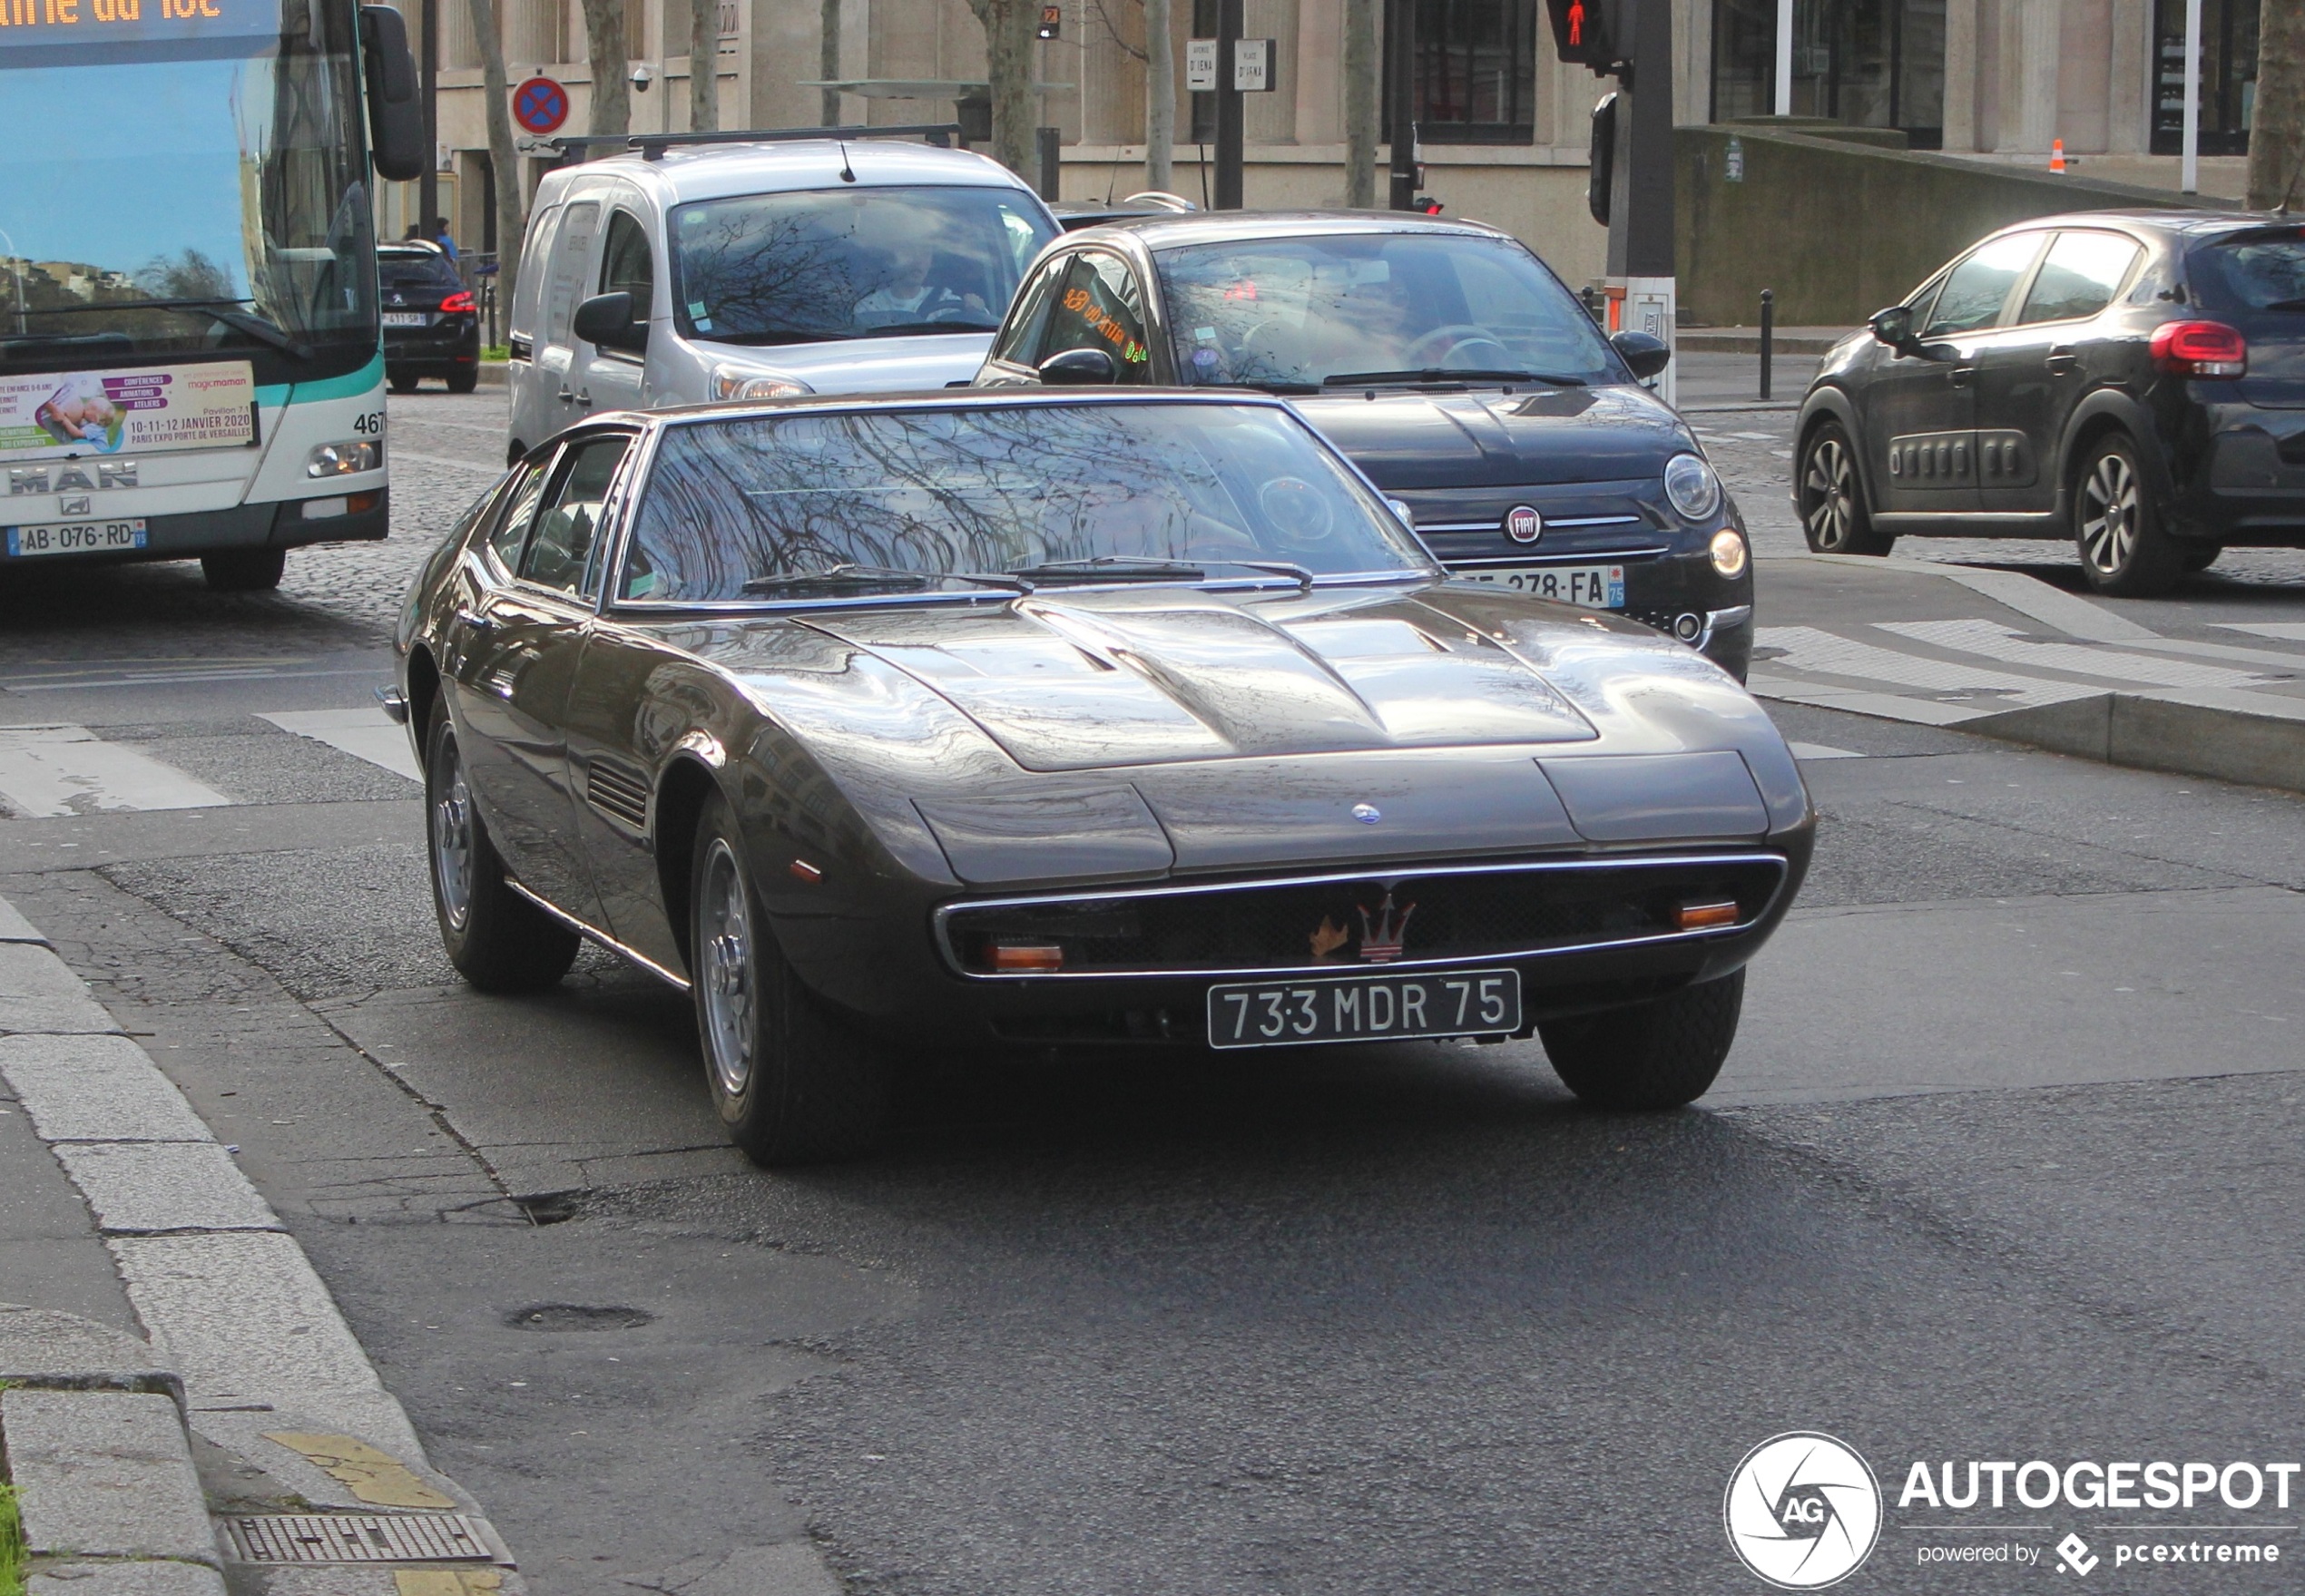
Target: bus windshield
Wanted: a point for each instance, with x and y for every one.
(181, 184)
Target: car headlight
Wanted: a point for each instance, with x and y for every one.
(1729, 553)
(737, 382)
(345, 458)
(1692, 487)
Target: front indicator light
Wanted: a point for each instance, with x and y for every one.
(734, 382)
(1706, 916)
(1016, 958)
(1729, 553)
(348, 457)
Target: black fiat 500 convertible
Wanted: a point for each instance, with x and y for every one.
(1067, 719)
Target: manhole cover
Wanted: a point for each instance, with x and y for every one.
(357, 1538)
(577, 1316)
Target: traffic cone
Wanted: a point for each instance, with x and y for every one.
(2056, 155)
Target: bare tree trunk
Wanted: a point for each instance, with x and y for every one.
(1360, 104)
(828, 60)
(504, 159)
(703, 66)
(611, 95)
(1009, 26)
(2277, 134)
(1159, 96)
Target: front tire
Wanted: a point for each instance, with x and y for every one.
(2124, 553)
(793, 1084)
(1659, 1054)
(1834, 516)
(244, 570)
(498, 940)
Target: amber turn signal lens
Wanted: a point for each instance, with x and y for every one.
(1706, 916)
(1015, 957)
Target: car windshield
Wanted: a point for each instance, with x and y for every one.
(2254, 271)
(1293, 313)
(816, 505)
(823, 265)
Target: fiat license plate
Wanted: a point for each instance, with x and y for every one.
(1363, 1008)
(1595, 587)
(75, 537)
(404, 318)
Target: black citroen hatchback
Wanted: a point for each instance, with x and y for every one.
(2132, 380)
(431, 324)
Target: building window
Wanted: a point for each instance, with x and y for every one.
(1475, 71)
(2228, 76)
(1866, 63)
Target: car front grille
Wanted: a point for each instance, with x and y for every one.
(1407, 918)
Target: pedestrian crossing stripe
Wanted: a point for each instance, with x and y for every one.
(46, 771)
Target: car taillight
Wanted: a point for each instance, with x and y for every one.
(456, 302)
(2198, 348)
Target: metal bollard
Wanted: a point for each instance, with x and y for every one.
(1768, 338)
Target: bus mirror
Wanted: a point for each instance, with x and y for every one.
(395, 116)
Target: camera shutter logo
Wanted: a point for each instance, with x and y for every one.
(1802, 1510)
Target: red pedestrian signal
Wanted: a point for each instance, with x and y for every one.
(1585, 31)
(1576, 23)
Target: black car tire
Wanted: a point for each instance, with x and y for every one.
(1834, 515)
(463, 382)
(2116, 529)
(792, 1082)
(403, 382)
(498, 940)
(1659, 1054)
(2198, 558)
(244, 571)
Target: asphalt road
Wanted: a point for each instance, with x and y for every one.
(2004, 1166)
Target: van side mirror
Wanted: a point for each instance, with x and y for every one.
(1894, 327)
(1646, 353)
(395, 116)
(606, 319)
(1079, 368)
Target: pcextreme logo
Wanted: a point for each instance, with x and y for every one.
(1802, 1510)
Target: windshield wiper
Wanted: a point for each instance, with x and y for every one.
(227, 311)
(2284, 305)
(849, 576)
(1445, 374)
(1112, 568)
(912, 329)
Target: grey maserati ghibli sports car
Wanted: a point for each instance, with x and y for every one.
(1067, 719)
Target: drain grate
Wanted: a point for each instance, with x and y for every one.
(339, 1537)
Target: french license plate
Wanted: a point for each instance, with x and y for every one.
(75, 537)
(406, 319)
(1596, 587)
(1363, 1008)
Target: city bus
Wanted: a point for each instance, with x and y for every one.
(191, 362)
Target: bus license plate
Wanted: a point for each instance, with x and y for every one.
(1363, 1008)
(75, 537)
(1595, 587)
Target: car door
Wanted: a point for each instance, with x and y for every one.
(1919, 409)
(612, 380)
(1010, 361)
(2033, 372)
(518, 641)
(562, 402)
(534, 407)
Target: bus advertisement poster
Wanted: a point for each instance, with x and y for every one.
(204, 406)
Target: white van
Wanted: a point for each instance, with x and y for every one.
(746, 270)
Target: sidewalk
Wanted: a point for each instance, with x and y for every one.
(182, 1402)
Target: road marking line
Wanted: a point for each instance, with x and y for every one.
(244, 673)
(2006, 644)
(51, 771)
(373, 1476)
(1808, 649)
(1818, 751)
(365, 734)
(1881, 706)
(2031, 596)
(2279, 631)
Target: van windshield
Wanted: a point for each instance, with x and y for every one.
(824, 265)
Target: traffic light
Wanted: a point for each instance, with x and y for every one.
(1588, 33)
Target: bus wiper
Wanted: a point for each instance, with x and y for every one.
(227, 311)
(1449, 374)
(1112, 568)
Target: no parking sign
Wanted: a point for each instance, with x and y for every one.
(540, 106)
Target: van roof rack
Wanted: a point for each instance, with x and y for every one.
(652, 146)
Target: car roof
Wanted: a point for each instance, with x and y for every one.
(1173, 229)
(424, 246)
(2183, 223)
(715, 171)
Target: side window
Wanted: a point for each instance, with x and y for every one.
(513, 530)
(2083, 272)
(535, 259)
(571, 252)
(626, 267)
(561, 551)
(1023, 334)
(1976, 290)
(1100, 308)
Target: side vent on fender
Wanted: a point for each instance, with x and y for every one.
(619, 792)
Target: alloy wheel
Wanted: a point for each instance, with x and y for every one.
(452, 840)
(724, 933)
(2109, 513)
(1830, 484)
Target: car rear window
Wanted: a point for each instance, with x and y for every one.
(414, 268)
(2252, 271)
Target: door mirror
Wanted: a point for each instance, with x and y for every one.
(1894, 327)
(606, 319)
(1079, 368)
(1600, 179)
(1645, 352)
(395, 116)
